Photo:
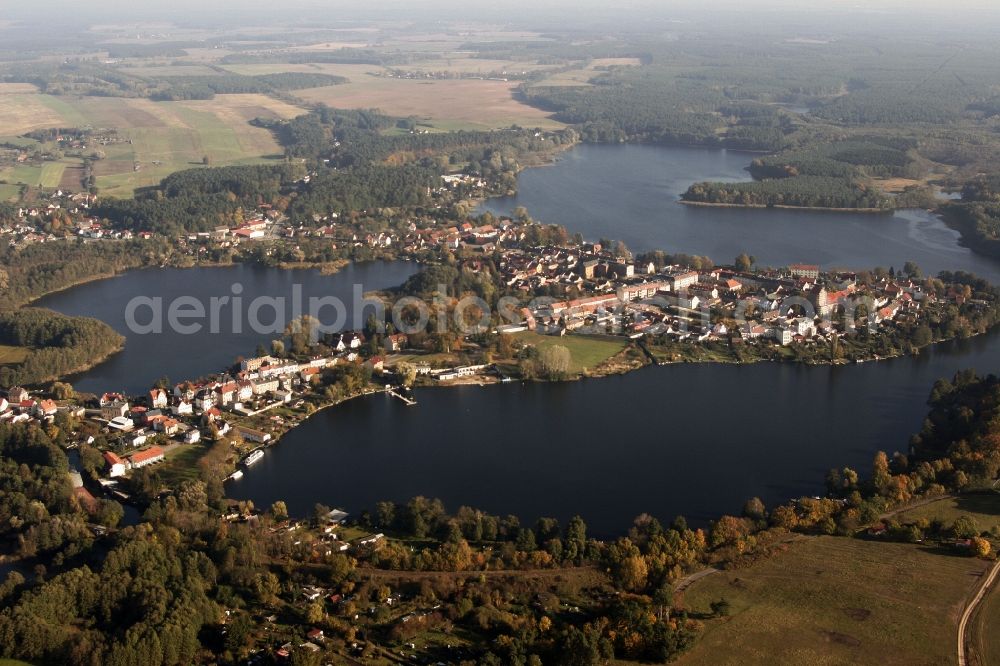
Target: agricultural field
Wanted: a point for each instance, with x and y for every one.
(330, 46)
(22, 110)
(466, 65)
(46, 174)
(163, 137)
(835, 600)
(444, 104)
(583, 75)
(8, 192)
(587, 352)
(347, 70)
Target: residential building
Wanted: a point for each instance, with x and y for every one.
(158, 399)
(116, 466)
(808, 271)
(114, 409)
(150, 456)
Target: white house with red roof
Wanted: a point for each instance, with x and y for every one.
(46, 408)
(158, 398)
(152, 455)
(116, 466)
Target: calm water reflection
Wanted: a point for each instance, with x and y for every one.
(149, 357)
(630, 193)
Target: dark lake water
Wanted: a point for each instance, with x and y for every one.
(630, 193)
(147, 357)
(696, 440)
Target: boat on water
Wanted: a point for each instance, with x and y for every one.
(253, 457)
(235, 476)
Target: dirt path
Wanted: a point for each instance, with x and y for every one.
(687, 581)
(493, 573)
(976, 600)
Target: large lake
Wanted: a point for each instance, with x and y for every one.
(149, 356)
(630, 193)
(696, 440)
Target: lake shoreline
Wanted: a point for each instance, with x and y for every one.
(820, 209)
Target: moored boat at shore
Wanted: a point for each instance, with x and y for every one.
(253, 457)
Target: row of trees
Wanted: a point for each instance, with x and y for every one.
(207, 87)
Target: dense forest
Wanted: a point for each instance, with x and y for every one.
(355, 137)
(834, 174)
(200, 199)
(887, 104)
(57, 345)
(650, 104)
(31, 272)
(977, 214)
(863, 156)
(979, 224)
(137, 599)
(806, 191)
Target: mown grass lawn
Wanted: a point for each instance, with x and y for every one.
(587, 352)
(181, 463)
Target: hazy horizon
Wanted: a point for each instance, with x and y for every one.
(232, 12)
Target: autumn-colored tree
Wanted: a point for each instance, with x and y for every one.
(881, 476)
(981, 547)
(784, 516)
(728, 530)
(633, 573)
(279, 510)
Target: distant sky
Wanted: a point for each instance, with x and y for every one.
(453, 7)
(573, 12)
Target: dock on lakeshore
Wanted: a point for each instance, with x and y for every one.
(409, 401)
